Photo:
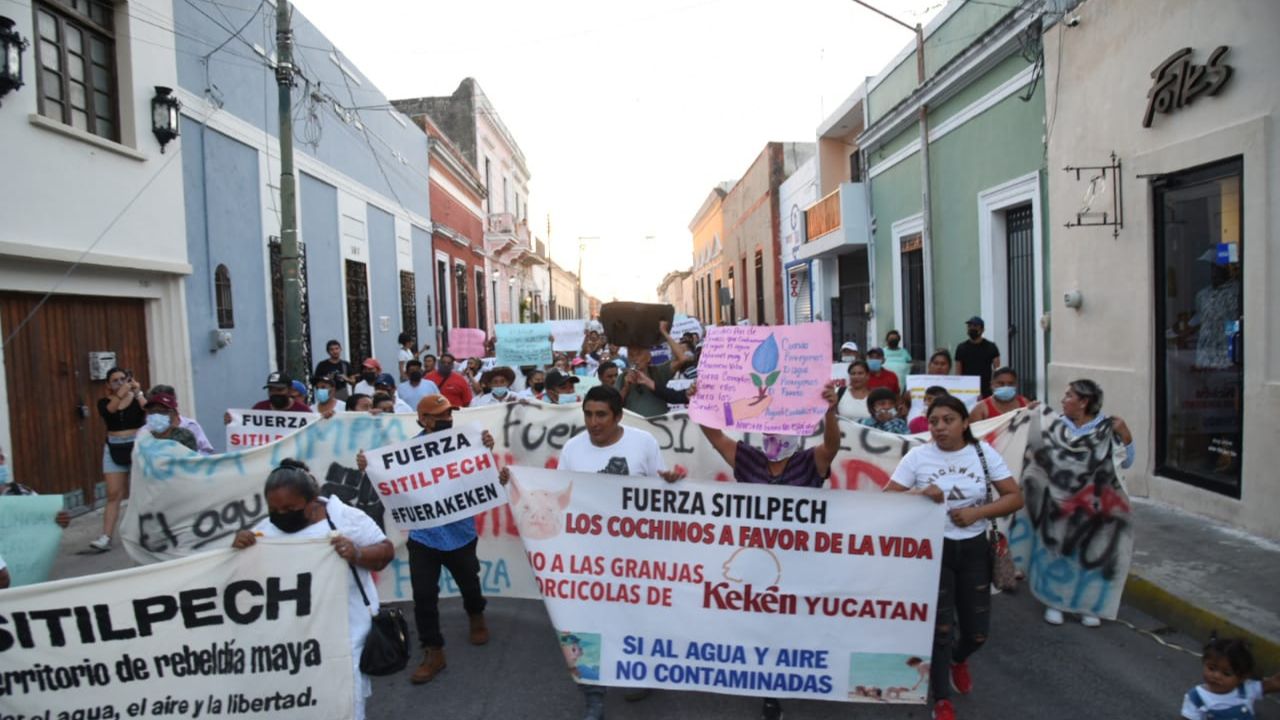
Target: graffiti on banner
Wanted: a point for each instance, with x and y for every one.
(694, 586)
(247, 634)
(29, 537)
(1074, 536)
(524, 344)
(433, 480)
(763, 379)
(255, 428)
(965, 387)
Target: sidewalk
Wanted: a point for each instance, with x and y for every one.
(1198, 576)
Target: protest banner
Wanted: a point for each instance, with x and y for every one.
(840, 373)
(1073, 538)
(487, 364)
(631, 324)
(256, 633)
(763, 379)
(685, 324)
(29, 537)
(524, 344)
(568, 335)
(466, 343)
(965, 387)
(433, 480)
(255, 428)
(742, 589)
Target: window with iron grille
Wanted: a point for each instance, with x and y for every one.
(222, 293)
(76, 49)
(481, 310)
(408, 304)
(359, 327)
(460, 273)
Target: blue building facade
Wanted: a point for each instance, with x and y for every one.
(363, 205)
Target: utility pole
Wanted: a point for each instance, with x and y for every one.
(289, 265)
(551, 278)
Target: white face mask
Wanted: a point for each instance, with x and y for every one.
(780, 447)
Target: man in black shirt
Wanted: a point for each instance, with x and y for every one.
(977, 355)
(335, 365)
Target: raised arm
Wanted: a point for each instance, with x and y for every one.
(826, 453)
(725, 445)
(664, 327)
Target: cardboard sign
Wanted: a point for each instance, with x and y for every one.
(568, 335)
(763, 379)
(433, 480)
(466, 342)
(524, 344)
(634, 324)
(965, 387)
(685, 324)
(255, 428)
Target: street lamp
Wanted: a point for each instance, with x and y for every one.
(11, 47)
(164, 115)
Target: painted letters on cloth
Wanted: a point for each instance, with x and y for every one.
(255, 428)
(1074, 536)
(965, 387)
(29, 537)
(523, 344)
(436, 479)
(736, 588)
(763, 379)
(257, 633)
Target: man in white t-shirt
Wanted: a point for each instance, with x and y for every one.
(610, 448)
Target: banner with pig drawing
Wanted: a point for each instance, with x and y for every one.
(741, 589)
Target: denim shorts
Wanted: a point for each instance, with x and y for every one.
(109, 465)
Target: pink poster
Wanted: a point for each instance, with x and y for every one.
(466, 343)
(763, 379)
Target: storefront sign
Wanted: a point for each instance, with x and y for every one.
(1178, 81)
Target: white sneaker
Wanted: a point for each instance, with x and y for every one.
(1053, 616)
(102, 544)
(1090, 621)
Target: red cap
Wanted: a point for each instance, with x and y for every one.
(164, 400)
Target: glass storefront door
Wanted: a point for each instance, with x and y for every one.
(1199, 255)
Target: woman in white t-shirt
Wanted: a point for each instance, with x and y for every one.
(853, 399)
(955, 468)
(297, 511)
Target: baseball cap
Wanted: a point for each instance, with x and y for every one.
(300, 386)
(384, 379)
(164, 400)
(556, 379)
(324, 378)
(278, 379)
(372, 364)
(434, 405)
(975, 320)
(851, 346)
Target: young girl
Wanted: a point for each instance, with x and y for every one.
(1228, 691)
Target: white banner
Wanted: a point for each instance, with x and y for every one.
(685, 324)
(255, 428)
(965, 387)
(256, 633)
(742, 589)
(568, 335)
(436, 479)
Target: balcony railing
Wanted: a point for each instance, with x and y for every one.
(823, 216)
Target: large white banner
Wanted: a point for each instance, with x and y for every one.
(736, 588)
(257, 633)
(255, 428)
(436, 479)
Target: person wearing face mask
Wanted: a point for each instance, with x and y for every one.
(417, 386)
(163, 420)
(386, 385)
(977, 355)
(879, 376)
(883, 406)
(896, 358)
(561, 388)
(452, 547)
(452, 384)
(278, 387)
(203, 446)
(497, 387)
(296, 510)
(535, 384)
(369, 371)
(327, 402)
(1004, 397)
(779, 460)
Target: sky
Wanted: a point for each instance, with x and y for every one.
(627, 113)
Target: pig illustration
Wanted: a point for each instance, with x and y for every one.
(753, 566)
(538, 513)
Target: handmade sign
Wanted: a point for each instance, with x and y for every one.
(433, 480)
(741, 589)
(524, 344)
(1074, 536)
(466, 342)
(763, 379)
(256, 633)
(255, 428)
(684, 324)
(29, 537)
(634, 324)
(568, 335)
(965, 387)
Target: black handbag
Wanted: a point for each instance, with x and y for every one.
(386, 647)
(121, 453)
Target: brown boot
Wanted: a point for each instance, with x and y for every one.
(479, 631)
(432, 663)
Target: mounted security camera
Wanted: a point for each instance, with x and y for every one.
(1072, 21)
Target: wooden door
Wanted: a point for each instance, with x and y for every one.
(56, 433)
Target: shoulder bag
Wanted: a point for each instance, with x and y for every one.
(1004, 575)
(386, 648)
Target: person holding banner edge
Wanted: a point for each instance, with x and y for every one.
(296, 510)
(959, 470)
(451, 546)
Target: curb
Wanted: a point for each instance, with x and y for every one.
(1193, 620)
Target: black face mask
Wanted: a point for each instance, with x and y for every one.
(974, 333)
(415, 376)
(280, 402)
(538, 387)
(290, 522)
(444, 370)
(368, 377)
(893, 344)
(440, 425)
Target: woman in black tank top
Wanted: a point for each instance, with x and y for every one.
(122, 412)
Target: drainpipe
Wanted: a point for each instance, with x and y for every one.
(926, 210)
